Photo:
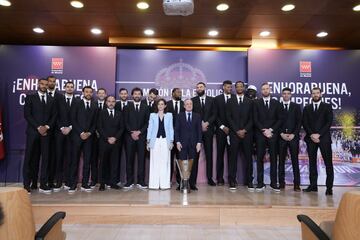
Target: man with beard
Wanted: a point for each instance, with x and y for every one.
(151, 98)
(222, 130)
(83, 120)
(239, 112)
(175, 106)
(51, 91)
(317, 120)
(120, 106)
(267, 120)
(289, 139)
(40, 115)
(62, 137)
(136, 122)
(204, 105)
(101, 105)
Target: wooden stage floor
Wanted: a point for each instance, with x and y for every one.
(209, 205)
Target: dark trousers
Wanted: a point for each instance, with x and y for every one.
(261, 143)
(326, 153)
(207, 138)
(94, 163)
(243, 145)
(221, 144)
(85, 147)
(135, 147)
(121, 144)
(109, 156)
(52, 158)
(293, 146)
(63, 157)
(173, 166)
(36, 146)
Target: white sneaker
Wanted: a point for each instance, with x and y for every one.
(66, 187)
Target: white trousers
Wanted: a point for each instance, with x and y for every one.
(159, 176)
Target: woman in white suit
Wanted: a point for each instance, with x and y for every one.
(160, 138)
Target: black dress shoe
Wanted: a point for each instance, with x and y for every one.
(102, 187)
(28, 189)
(297, 188)
(114, 186)
(310, 189)
(282, 185)
(329, 192)
(34, 186)
(232, 186)
(194, 188)
(211, 182)
(220, 182)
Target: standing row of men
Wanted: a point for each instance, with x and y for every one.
(61, 127)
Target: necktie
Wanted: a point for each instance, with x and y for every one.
(43, 99)
(137, 107)
(111, 114)
(87, 106)
(100, 106)
(267, 104)
(189, 118)
(177, 107)
(240, 100)
(50, 93)
(286, 107)
(68, 101)
(202, 103)
(123, 105)
(227, 98)
(316, 107)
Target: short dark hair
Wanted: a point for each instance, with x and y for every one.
(123, 89)
(265, 83)
(43, 79)
(316, 88)
(136, 89)
(154, 91)
(174, 89)
(69, 82)
(103, 89)
(110, 96)
(51, 76)
(201, 83)
(237, 82)
(226, 82)
(286, 89)
(83, 90)
(156, 105)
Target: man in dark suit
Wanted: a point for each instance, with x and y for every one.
(188, 131)
(136, 122)
(83, 120)
(150, 99)
(222, 130)
(175, 106)
(40, 115)
(289, 138)
(317, 120)
(62, 137)
(51, 91)
(204, 105)
(101, 105)
(120, 106)
(267, 120)
(110, 127)
(239, 113)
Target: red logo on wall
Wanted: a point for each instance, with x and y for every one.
(57, 65)
(305, 69)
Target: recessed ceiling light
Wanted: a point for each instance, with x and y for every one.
(77, 4)
(38, 30)
(149, 32)
(322, 34)
(288, 7)
(213, 33)
(142, 5)
(96, 31)
(356, 8)
(264, 34)
(5, 3)
(222, 7)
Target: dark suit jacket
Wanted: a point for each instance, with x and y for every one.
(186, 134)
(118, 106)
(103, 106)
(110, 126)
(318, 122)
(170, 107)
(151, 108)
(292, 119)
(36, 114)
(219, 110)
(208, 114)
(240, 116)
(268, 118)
(64, 110)
(83, 120)
(136, 120)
